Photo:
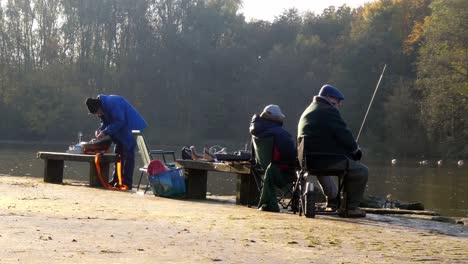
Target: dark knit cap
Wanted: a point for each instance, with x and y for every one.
(93, 105)
(328, 90)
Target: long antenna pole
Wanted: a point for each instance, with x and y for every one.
(370, 104)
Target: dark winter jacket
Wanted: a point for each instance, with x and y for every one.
(325, 130)
(263, 128)
(119, 119)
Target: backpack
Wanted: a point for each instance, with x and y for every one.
(186, 153)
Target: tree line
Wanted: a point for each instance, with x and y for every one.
(198, 70)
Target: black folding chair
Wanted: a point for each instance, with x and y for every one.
(318, 164)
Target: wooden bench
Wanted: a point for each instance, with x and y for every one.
(54, 161)
(196, 173)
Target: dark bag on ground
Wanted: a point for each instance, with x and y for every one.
(169, 183)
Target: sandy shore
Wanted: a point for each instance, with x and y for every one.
(72, 223)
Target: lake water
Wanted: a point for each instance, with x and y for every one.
(439, 188)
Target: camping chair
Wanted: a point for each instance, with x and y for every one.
(148, 155)
(262, 149)
(318, 164)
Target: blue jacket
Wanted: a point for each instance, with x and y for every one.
(262, 128)
(119, 119)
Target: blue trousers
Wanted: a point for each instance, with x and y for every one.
(127, 156)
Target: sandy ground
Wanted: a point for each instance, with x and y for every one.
(72, 223)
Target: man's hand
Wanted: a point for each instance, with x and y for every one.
(357, 155)
(100, 134)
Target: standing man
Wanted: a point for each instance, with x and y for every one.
(327, 132)
(118, 119)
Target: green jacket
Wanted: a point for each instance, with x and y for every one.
(325, 130)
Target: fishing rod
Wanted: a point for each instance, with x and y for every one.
(370, 104)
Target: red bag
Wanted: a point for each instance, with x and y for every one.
(156, 167)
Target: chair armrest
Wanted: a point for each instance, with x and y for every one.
(163, 154)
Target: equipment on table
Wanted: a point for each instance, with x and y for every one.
(91, 147)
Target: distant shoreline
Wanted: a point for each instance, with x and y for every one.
(29, 142)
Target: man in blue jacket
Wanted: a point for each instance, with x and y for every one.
(327, 132)
(118, 119)
(281, 170)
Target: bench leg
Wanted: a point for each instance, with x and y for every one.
(93, 176)
(247, 192)
(53, 171)
(195, 183)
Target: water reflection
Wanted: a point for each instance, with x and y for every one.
(440, 188)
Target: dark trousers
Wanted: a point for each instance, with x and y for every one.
(356, 182)
(127, 156)
(274, 178)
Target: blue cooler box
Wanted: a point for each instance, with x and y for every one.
(168, 184)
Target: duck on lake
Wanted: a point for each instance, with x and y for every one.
(423, 162)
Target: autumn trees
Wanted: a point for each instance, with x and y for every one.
(197, 70)
(443, 76)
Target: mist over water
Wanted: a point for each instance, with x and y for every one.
(439, 188)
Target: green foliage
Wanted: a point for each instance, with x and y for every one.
(198, 71)
(442, 75)
(402, 127)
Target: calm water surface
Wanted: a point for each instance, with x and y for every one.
(439, 188)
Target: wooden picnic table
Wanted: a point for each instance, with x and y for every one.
(54, 163)
(196, 173)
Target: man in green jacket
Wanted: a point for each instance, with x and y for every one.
(326, 131)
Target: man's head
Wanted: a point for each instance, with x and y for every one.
(332, 93)
(94, 106)
(272, 112)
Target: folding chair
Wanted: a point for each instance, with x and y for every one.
(147, 156)
(318, 164)
(262, 150)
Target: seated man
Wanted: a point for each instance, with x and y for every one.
(270, 124)
(326, 131)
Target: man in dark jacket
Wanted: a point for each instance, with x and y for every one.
(327, 132)
(281, 170)
(118, 119)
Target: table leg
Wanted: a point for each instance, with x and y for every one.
(93, 176)
(195, 183)
(53, 171)
(247, 191)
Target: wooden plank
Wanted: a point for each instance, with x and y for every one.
(195, 183)
(196, 172)
(398, 211)
(247, 192)
(228, 167)
(54, 162)
(53, 171)
(94, 180)
(108, 157)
